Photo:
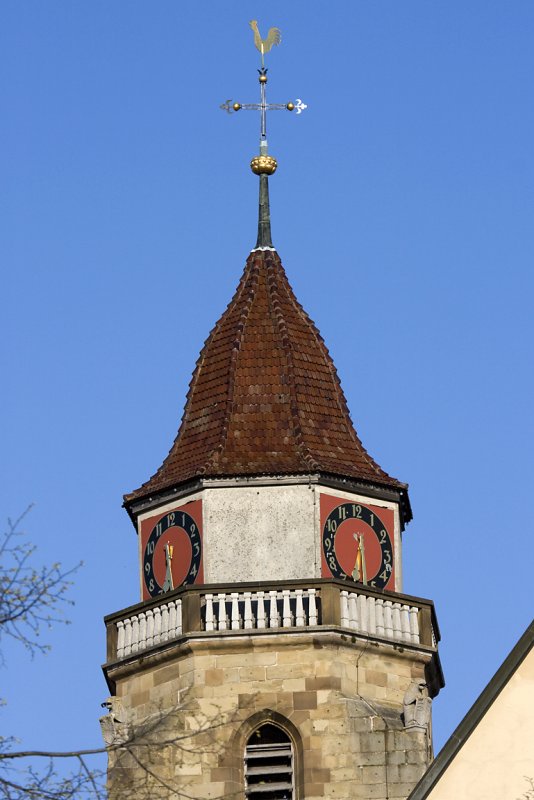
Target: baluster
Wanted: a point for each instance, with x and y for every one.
(142, 630)
(260, 610)
(273, 610)
(120, 639)
(397, 630)
(362, 613)
(388, 619)
(371, 614)
(353, 611)
(379, 616)
(178, 617)
(164, 623)
(127, 636)
(172, 619)
(235, 611)
(300, 617)
(157, 625)
(414, 624)
(222, 624)
(135, 634)
(345, 608)
(149, 628)
(405, 623)
(248, 620)
(286, 609)
(312, 607)
(209, 613)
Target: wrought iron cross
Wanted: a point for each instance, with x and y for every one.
(264, 45)
(263, 106)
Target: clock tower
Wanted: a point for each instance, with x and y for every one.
(273, 653)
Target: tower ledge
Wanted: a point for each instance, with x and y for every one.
(331, 612)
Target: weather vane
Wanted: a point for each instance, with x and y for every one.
(264, 164)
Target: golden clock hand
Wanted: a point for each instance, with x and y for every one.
(168, 585)
(359, 573)
(356, 572)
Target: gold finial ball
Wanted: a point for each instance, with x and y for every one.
(263, 78)
(263, 165)
(236, 106)
(290, 106)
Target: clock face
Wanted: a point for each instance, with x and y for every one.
(357, 542)
(171, 550)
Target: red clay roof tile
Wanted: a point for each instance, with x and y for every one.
(265, 397)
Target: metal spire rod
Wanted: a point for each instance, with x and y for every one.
(263, 105)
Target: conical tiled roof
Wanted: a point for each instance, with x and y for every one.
(265, 397)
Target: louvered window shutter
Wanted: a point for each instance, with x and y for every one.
(269, 765)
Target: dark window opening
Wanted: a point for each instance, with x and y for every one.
(269, 765)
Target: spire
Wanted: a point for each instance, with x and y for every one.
(263, 165)
(265, 398)
(264, 215)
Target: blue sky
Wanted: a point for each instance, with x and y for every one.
(402, 210)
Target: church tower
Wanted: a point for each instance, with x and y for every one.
(273, 653)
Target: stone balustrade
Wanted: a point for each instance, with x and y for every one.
(380, 617)
(149, 628)
(282, 606)
(287, 608)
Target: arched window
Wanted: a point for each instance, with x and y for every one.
(269, 772)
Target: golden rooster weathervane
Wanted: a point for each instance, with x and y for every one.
(264, 45)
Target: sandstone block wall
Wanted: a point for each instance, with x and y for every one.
(339, 699)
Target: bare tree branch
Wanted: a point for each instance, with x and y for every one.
(33, 599)
(30, 598)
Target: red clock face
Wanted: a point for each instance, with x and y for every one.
(357, 542)
(171, 549)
